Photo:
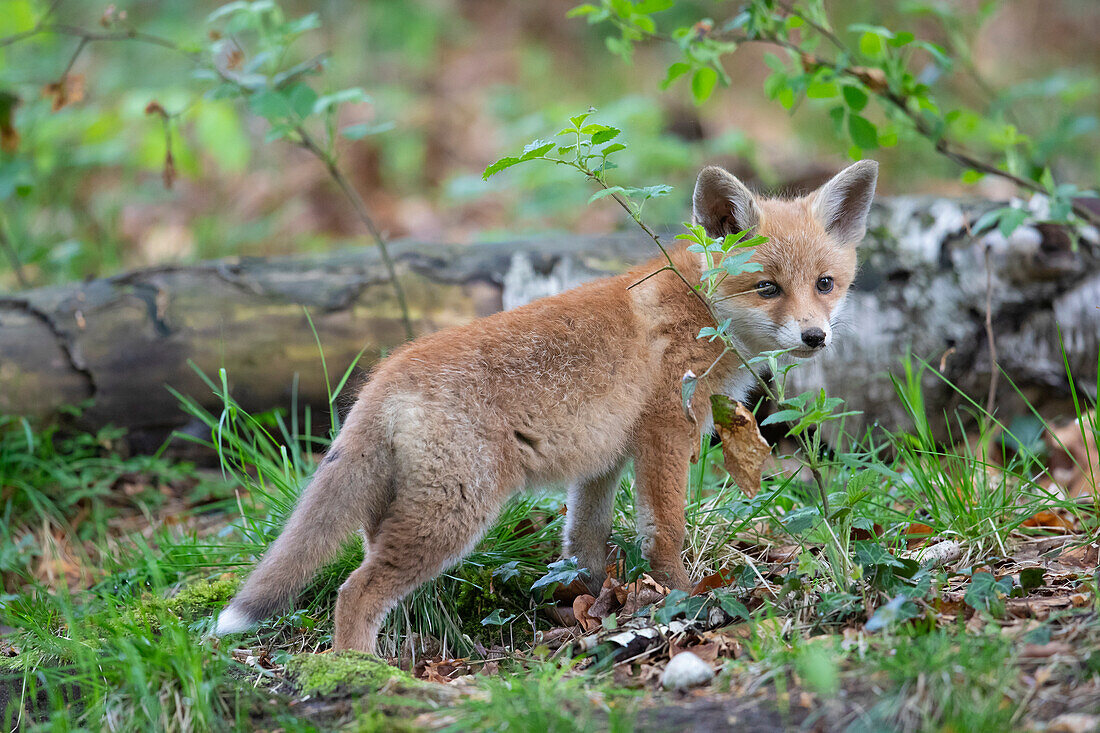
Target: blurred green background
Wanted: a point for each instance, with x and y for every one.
(454, 85)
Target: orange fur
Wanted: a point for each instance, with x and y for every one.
(565, 389)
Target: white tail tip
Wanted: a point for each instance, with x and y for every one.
(231, 621)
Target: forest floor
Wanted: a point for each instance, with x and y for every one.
(951, 586)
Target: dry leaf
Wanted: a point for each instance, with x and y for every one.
(744, 449)
(1049, 520)
(714, 581)
(581, 606)
(611, 598)
(1074, 461)
(69, 90)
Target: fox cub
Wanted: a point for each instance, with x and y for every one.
(565, 389)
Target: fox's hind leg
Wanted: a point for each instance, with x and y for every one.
(426, 529)
(588, 523)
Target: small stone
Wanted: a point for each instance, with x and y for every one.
(686, 670)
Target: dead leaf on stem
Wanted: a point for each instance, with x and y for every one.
(744, 449)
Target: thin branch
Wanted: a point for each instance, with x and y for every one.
(655, 272)
(364, 216)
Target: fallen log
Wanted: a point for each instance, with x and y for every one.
(923, 289)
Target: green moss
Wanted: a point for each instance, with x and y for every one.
(202, 598)
(480, 594)
(350, 672)
(194, 601)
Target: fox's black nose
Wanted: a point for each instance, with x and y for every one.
(813, 337)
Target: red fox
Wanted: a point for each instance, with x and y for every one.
(566, 389)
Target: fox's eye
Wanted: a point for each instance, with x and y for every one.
(824, 284)
(767, 289)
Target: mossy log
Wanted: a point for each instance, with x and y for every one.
(923, 289)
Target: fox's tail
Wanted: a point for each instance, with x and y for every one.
(330, 509)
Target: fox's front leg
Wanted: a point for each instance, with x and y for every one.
(662, 457)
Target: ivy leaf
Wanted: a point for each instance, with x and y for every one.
(985, 593)
(497, 618)
(1031, 578)
(564, 571)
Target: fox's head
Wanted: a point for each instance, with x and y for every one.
(809, 260)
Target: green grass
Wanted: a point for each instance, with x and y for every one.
(127, 649)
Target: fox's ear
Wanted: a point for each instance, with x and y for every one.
(842, 204)
(722, 204)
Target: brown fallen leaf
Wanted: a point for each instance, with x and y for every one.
(705, 650)
(611, 598)
(918, 534)
(69, 90)
(1044, 651)
(440, 670)
(714, 581)
(1047, 519)
(744, 449)
(1074, 461)
(581, 606)
(641, 593)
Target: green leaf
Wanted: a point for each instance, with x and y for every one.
(536, 148)
(728, 603)
(1031, 578)
(363, 129)
(872, 45)
(269, 104)
(498, 166)
(986, 593)
(675, 71)
(564, 571)
(301, 99)
(822, 90)
(613, 148)
(1010, 220)
(703, 82)
(355, 95)
(605, 135)
(581, 10)
(579, 119)
(863, 133)
(781, 416)
(799, 520)
(605, 192)
(507, 571)
(854, 97)
(497, 618)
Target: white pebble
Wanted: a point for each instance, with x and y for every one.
(686, 670)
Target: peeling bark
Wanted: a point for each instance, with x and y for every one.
(921, 289)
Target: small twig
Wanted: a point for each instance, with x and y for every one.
(655, 272)
(361, 211)
(994, 370)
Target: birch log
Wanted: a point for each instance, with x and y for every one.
(923, 289)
